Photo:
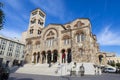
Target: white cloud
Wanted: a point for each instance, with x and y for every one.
(10, 33)
(53, 7)
(108, 37)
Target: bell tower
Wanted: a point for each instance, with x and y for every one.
(36, 23)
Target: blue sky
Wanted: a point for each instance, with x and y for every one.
(103, 14)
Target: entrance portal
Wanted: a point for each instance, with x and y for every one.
(49, 57)
(38, 57)
(34, 59)
(69, 59)
(55, 54)
(43, 57)
(100, 58)
(63, 56)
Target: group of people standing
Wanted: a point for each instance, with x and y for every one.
(80, 72)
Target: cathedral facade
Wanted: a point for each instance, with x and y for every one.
(63, 43)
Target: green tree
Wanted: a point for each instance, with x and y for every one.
(112, 63)
(2, 16)
(118, 65)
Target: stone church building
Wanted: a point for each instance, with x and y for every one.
(73, 41)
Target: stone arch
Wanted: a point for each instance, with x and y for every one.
(79, 23)
(63, 56)
(68, 27)
(38, 57)
(49, 56)
(37, 42)
(50, 33)
(79, 32)
(48, 30)
(34, 57)
(100, 57)
(80, 35)
(81, 51)
(69, 55)
(43, 56)
(29, 42)
(66, 37)
(55, 55)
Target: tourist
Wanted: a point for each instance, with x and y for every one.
(82, 70)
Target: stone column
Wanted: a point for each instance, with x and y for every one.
(32, 58)
(36, 57)
(52, 56)
(46, 57)
(66, 56)
(60, 58)
(40, 59)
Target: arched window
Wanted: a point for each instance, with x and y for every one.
(79, 24)
(31, 31)
(40, 22)
(29, 44)
(81, 52)
(39, 32)
(80, 37)
(33, 21)
(37, 44)
(66, 39)
(50, 41)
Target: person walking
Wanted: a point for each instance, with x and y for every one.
(82, 70)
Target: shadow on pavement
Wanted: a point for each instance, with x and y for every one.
(12, 70)
(13, 78)
(25, 79)
(66, 77)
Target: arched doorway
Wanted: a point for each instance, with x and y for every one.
(34, 57)
(38, 57)
(43, 56)
(69, 59)
(100, 58)
(55, 55)
(63, 56)
(49, 56)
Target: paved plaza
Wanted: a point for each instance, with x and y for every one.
(104, 76)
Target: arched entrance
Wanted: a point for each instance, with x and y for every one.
(69, 59)
(38, 57)
(49, 56)
(55, 54)
(63, 56)
(43, 57)
(34, 58)
(100, 58)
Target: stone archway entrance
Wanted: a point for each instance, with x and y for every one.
(34, 58)
(49, 56)
(63, 56)
(55, 55)
(38, 57)
(43, 56)
(69, 56)
(100, 58)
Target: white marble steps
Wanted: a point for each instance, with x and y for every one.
(40, 69)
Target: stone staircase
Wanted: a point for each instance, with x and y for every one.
(56, 69)
(43, 69)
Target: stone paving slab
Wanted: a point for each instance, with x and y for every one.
(105, 76)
